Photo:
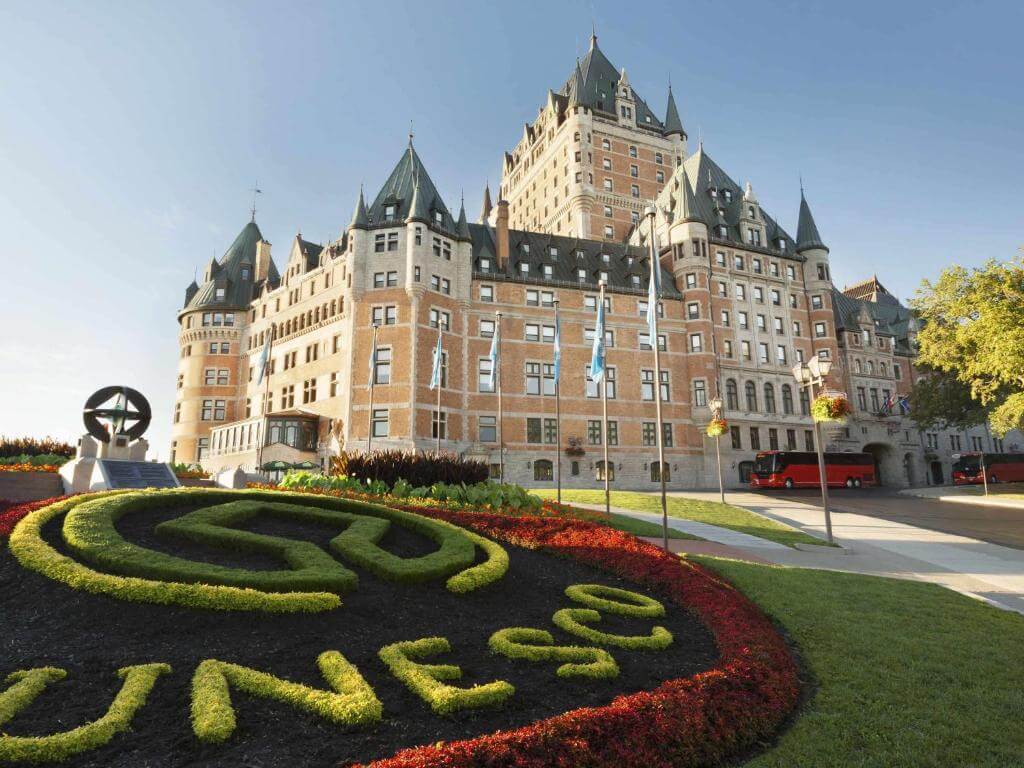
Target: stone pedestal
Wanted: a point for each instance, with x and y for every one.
(120, 463)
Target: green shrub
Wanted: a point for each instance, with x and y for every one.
(38, 460)
(32, 552)
(27, 685)
(571, 620)
(487, 572)
(351, 702)
(620, 602)
(539, 645)
(138, 682)
(425, 679)
(31, 446)
(415, 468)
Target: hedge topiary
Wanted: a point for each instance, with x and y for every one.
(425, 679)
(538, 645)
(620, 602)
(571, 620)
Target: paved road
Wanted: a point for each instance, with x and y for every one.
(996, 525)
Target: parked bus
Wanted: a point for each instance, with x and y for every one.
(796, 469)
(999, 467)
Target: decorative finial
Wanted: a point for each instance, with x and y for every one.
(593, 33)
(410, 133)
(801, 185)
(255, 191)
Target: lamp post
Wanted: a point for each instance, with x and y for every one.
(810, 375)
(716, 413)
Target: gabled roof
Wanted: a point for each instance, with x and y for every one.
(534, 249)
(871, 290)
(807, 236)
(226, 274)
(399, 191)
(312, 253)
(687, 197)
(600, 80)
(887, 315)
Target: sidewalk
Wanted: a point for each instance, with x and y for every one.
(883, 548)
(969, 495)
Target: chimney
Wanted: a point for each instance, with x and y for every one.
(501, 235)
(262, 266)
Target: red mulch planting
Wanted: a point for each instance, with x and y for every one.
(11, 512)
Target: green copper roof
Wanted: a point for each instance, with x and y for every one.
(360, 219)
(224, 285)
(672, 122)
(400, 190)
(807, 236)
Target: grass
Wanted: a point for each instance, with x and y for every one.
(909, 675)
(642, 527)
(711, 512)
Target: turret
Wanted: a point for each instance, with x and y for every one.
(360, 220)
(485, 210)
(673, 125)
(818, 280)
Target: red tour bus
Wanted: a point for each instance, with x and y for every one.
(795, 469)
(999, 467)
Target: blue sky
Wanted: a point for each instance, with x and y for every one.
(131, 134)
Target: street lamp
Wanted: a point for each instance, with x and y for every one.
(715, 404)
(810, 375)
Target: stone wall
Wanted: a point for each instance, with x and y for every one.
(30, 486)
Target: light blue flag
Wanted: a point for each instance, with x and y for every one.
(373, 364)
(264, 358)
(597, 356)
(558, 347)
(495, 355)
(652, 302)
(435, 375)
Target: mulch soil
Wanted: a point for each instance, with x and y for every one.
(44, 623)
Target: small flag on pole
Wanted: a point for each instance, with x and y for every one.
(264, 358)
(597, 356)
(494, 356)
(558, 346)
(373, 364)
(435, 375)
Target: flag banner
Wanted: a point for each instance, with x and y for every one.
(652, 303)
(904, 404)
(558, 347)
(495, 354)
(373, 364)
(597, 356)
(264, 358)
(435, 374)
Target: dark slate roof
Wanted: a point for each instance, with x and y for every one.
(887, 314)
(672, 122)
(807, 236)
(399, 190)
(601, 77)
(226, 273)
(567, 262)
(702, 174)
(312, 253)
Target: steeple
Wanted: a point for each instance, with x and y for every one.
(687, 206)
(462, 226)
(359, 217)
(672, 122)
(576, 87)
(807, 236)
(485, 211)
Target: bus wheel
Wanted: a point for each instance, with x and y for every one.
(789, 482)
(849, 482)
(856, 482)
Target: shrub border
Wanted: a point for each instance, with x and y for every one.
(704, 719)
(527, 644)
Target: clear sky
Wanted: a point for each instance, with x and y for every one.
(132, 132)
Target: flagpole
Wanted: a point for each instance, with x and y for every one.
(653, 310)
(604, 416)
(373, 380)
(268, 367)
(439, 409)
(496, 372)
(558, 411)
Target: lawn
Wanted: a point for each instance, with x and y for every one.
(908, 674)
(711, 512)
(636, 527)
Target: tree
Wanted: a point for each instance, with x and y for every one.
(973, 330)
(939, 399)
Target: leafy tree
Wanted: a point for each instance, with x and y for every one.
(973, 329)
(939, 399)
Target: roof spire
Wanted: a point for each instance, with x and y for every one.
(576, 87)
(485, 211)
(807, 236)
(593, 33)
(255, 191)
(687, 202)
(359, 218)
(462, 226)
(673, 125)
(410, 134)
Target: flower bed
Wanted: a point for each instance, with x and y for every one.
(26, 467)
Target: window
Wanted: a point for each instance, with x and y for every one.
(773, 439)
(177, 412)
(816, 302)
(656, 472)
(613, 432)
(790, 272)
(737, 262)
(761, 323)
(727, 349)
(540, 379)
(725, 318)
(875, 405)
(741, 292)
(593, 389)
(647, 385)
(862, 401)
(645, 342)
(487, 429)
(309, 391)
(732, 395)
(695, 342)
(632, 151)
(379, 426)
(805, 403)
(700, 395)
(484, 375)
(691, 280)
(634, 190)
(762, 353)
(751, 394)
(607, 185)
(487, 293)
(440, 319)
(439, 424)
(780, 354)
(213, 410)
(758, 294)
(380, 316)
(745, 350)
(202, 448)
(634, 171)
(743, 319)
(723, 289)
(593, 432)
(486, 328)
(334, 385)
(787, 399)
(896, 371)
(819, 330)
(648, 433)
(543, 470)
(693, 310)
(382, 367)
(776, 298)
(737, 441)
(769, 398)
(600, 472)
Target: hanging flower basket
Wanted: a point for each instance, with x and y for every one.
(831, 407)
(717, 427)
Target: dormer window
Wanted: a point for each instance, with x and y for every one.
(485, 265)
(727, 195)
(524, 267)
(722, 231)
(245, 272)
(219, 294)
(580, 254)
(752, 212)
(606, 258)
(438, 217)
(712, 192)
(553, 252)
(526, 247)
(782, 244)
(389, 212)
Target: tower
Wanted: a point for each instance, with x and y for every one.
(818, 282)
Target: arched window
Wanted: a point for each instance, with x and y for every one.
(787, 399)
(656, 475)
(599, 467)
(769, 398)
(543, 470)
(805, 403)
(857, 366)
(732, 397)
(751, 392)
(871, 367)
